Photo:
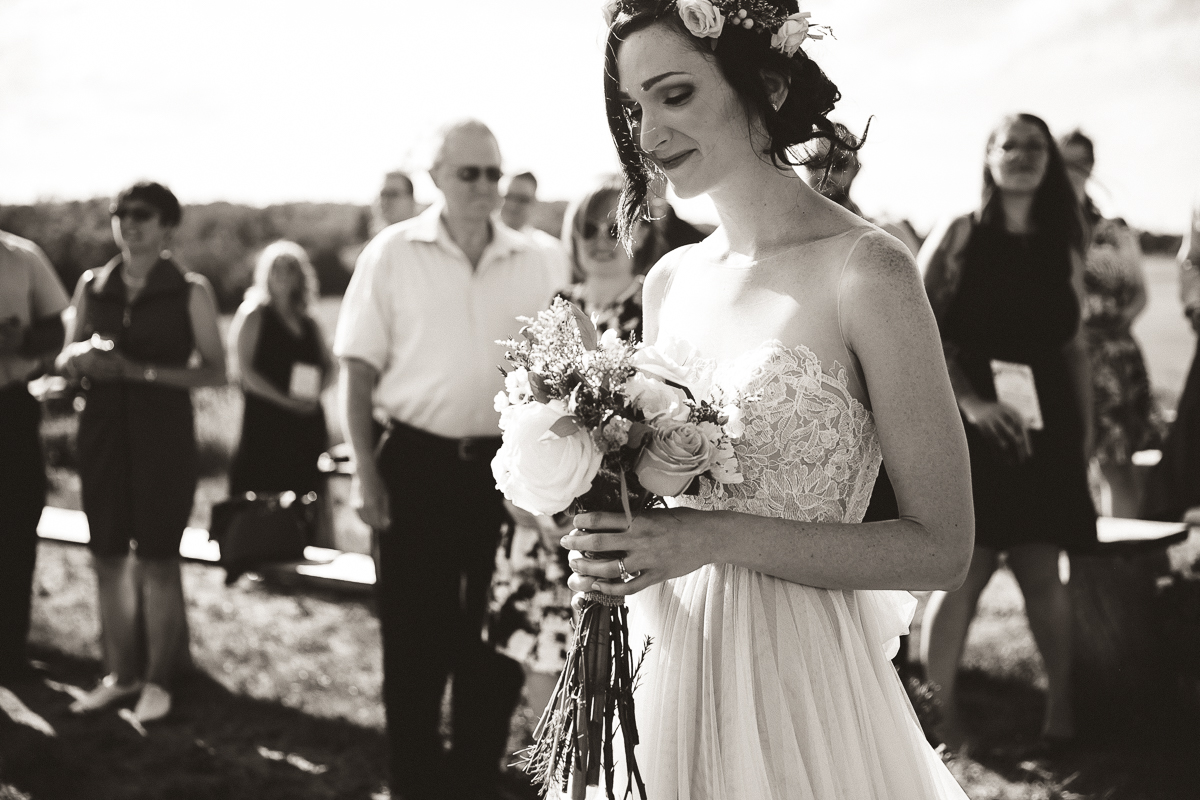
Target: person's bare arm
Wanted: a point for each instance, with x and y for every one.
(358, 379)
(245, 332)
(888, 324)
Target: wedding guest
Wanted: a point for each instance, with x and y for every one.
(31, 333)
(279, 358)
(417, 343)
(395, 202)
(520, 198)
(1115, 295)
(670, 232)
(832, 170)
(1173, 487)
(609, 287)
(1005, 284)
(132, 330)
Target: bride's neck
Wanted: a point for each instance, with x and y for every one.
(764, 208)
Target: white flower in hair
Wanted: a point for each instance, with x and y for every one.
(701, 18)
(609, 10)
(792, 33)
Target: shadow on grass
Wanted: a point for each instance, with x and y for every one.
(214, 745)
(1004, 719)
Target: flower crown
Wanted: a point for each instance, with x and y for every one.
(706, 19)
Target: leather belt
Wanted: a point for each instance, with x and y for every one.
(467, 448)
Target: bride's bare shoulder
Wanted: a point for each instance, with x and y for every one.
(658, 279)
(880, 272)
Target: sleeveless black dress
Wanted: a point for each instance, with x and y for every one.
(278, 448)
(1015, 302)
(137, 445)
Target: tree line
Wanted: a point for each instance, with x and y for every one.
(218, 240)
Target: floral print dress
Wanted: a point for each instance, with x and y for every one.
(1125, 413)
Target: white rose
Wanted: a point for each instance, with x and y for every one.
(656, 399)
(791, 33)
(537, 470)
(701, 18)
(677, 361)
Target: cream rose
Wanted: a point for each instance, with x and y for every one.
(701, 18)
(538, 470)
(676, 453)
(656, 399)
(677, 361)
(791, 33)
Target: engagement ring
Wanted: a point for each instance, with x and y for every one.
(625, 576)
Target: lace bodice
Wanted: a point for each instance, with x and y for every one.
(809, 451)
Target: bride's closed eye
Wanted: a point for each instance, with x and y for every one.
(678, 97)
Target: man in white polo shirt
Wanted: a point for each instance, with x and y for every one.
(417, 343)
(31, 334)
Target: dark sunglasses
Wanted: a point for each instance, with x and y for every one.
(591, 229)
(137, 214)
(471, 174)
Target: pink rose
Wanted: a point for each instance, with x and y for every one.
(701, 18)
(676, 453)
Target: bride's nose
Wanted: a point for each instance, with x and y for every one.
(652, 137)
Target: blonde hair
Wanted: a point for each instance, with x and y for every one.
(273, 255)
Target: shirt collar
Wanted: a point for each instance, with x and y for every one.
(428, 227)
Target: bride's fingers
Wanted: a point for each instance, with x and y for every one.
(595, 542)
(618, 588)
(601, 521)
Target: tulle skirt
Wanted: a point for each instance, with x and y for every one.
(755, 687)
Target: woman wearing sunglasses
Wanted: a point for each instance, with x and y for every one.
(609, 283)
(132, 331)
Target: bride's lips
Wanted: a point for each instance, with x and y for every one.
(676, 160)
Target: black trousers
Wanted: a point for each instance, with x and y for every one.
(435, 566)
(22, 495)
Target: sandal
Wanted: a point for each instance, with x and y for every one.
(109, 691)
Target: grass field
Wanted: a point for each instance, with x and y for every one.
(286, 699)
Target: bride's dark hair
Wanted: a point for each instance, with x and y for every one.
(743, 57)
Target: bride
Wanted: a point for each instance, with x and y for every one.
(771, 606)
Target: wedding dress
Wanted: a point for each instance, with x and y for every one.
(756, 688)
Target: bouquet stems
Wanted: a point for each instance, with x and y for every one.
(574, 739)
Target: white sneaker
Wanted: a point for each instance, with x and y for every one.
(108, 691)
(153, 705)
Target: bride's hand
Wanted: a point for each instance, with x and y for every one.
(660, 545)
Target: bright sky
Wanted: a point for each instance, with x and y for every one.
(262, 101)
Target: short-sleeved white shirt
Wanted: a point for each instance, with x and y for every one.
(29, 291)
(418, 313)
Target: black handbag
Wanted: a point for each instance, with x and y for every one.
(261, 528)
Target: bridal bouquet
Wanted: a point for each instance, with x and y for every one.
(594, 423)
